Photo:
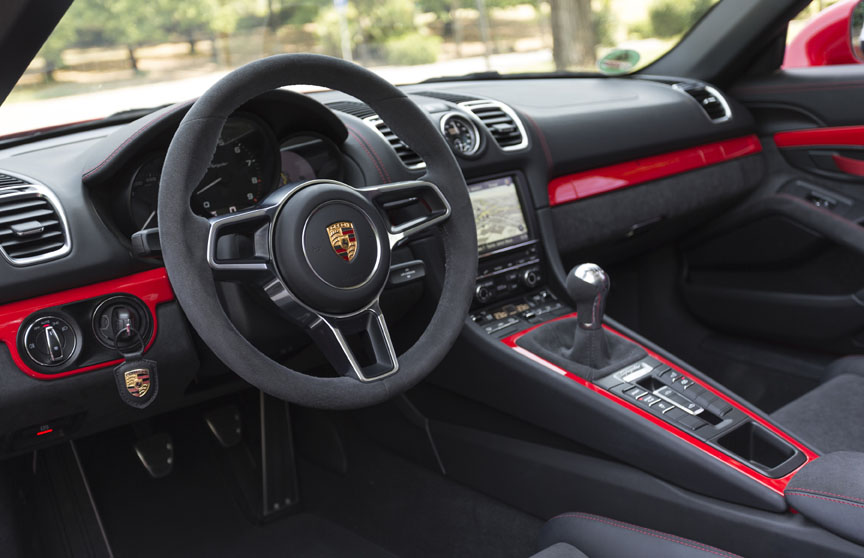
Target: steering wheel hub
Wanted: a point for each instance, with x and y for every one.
(330, 248)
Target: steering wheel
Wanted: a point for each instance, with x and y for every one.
(320, 250)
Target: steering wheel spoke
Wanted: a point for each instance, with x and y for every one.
(238, 246)
(408, 207)
(358, 346)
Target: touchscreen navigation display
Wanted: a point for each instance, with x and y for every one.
(498, 214)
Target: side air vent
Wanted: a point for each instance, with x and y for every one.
(361, 110)
(711, 101)
(501, 122)
(32, 227)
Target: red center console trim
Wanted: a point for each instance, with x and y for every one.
(777, 485)
(152, 287)
(840, 135)
(574, 187)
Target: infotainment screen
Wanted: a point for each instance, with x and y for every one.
(498, 214)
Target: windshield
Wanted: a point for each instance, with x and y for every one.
(108, 56)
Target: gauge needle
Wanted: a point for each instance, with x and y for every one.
(147, 222)
(205, 188)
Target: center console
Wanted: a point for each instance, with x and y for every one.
(578, 346)
(510, 289)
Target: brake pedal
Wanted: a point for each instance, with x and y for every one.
(156, 453)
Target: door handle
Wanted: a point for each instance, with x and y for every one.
(849, 165)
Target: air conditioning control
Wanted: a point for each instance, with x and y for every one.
(50, 341)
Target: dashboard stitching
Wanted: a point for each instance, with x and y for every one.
(379, 166)
(135, 135)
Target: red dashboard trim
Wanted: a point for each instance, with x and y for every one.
(777, 485)
(838, 135)
(152, 287)
(581, 185)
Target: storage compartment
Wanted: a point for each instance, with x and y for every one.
(754, 444)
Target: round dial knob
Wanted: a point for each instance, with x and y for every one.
(50, 341)
(530, 278)
(483, 294)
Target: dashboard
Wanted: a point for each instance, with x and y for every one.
(99, 189)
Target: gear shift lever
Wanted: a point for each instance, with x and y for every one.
(588, 286)
(582, 346)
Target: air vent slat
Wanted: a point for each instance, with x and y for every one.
(6, 180)
(25, 215)
(361, 110)
(32, 229)
(33, 249)
(18, 206)
(407, 155)
(30, 240)
(501, 121)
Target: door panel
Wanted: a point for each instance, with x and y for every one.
(781, 270)
(788, 267)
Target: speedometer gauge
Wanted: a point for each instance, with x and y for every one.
(143, 192)
(241, 172)
(460, 133)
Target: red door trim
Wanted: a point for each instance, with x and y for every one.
(152, 287)
(776, 485)
(572, 187)
(813, 137)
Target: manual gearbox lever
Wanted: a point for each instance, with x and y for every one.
(588, 286)
(581, 346)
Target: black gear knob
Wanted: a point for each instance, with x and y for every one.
(588, 286)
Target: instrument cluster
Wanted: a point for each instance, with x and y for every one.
(248, 164)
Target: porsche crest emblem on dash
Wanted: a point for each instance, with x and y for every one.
(137, 382)
(343, 239)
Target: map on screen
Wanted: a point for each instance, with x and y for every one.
(498, 214)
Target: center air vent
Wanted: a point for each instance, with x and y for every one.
(407, 155)
(711, 101)
(32, 229)
(501, 122)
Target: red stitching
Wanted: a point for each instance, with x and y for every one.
(382, 170)
(656, 534)
(135, 135)
(827, 494)
(835, 500)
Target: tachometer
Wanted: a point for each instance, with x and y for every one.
(241, 172)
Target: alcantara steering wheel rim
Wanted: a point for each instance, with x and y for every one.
(326, 276)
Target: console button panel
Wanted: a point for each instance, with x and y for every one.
(519, 313)
(682, 402)
(509, 273)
